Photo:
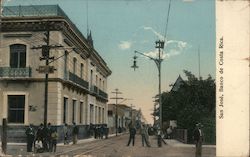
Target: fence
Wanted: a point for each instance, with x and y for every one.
(181, 135)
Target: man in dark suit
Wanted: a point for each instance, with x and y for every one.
(198, 138)
(30, 132)
(132, 132)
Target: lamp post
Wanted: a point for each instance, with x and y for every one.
(158, 61)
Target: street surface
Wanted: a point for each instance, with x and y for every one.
(117, 147)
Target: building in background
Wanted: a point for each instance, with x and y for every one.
(76, 89)
(126, 116)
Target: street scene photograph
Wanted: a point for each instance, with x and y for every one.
(108, 78)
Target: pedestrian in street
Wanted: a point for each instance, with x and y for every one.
(144, 136)
(132, 133)
(198, 138)
(54, 136)
(160, 138)
(75, 132)
(169, 132)
(66, 133)
(30, 133)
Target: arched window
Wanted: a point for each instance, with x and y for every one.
(17, 56)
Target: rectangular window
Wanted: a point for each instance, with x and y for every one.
(74, 66)
(110, 113)
(17, 56)
(16, 106)
(65, 109)
(81, 112)
(103, 120)
(96, 112)
(91, 115)
(73, 110)
(65, 64)
(81, 71)
(99, 116)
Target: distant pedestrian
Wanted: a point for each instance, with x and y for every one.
(106, 132)
(132, 132)
(39, 133)
(169, 132)
(198, 138)
(101, 131)
(30, 133)
(66, 133)
(160, 138)
(54, 136)
(48, 137)
(144, 136)
(75, 132)
(95, 132)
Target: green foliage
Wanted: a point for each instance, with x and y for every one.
(193, 102)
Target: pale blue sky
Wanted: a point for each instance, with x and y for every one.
(121, 26)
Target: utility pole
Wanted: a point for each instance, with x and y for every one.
(158, 61)
(199, 62)
(116, 92)
(159, 45)
(155, 103)
(131, 110)
(46, 69)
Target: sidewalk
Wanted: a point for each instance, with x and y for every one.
(19, 149)
(175, 143)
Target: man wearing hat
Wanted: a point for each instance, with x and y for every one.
(198, 137)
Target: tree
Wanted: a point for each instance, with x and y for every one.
(193, 102)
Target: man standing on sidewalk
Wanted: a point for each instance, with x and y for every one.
(132, 133)
(75, 133)
(30, 133)
(198, 137)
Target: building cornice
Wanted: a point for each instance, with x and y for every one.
(56, 23)
(65, 83)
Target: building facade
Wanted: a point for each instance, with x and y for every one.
(76, 88)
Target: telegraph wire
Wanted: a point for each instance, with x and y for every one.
(166, 28)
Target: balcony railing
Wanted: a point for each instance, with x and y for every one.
(15, 72)
(94, 89)
(74, 78)
(103, 94)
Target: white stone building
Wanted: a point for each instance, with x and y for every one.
(76, 89)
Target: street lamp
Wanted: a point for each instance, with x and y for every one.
(158, 60)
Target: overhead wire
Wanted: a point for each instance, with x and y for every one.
(166, 28)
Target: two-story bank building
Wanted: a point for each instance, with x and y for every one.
(76, 88)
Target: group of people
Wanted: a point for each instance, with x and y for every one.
(100, 131)
(44, 139)
(144, 136)
(66, 133)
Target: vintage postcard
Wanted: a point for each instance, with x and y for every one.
(124, 78)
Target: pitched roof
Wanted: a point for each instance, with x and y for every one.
(179, 81)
